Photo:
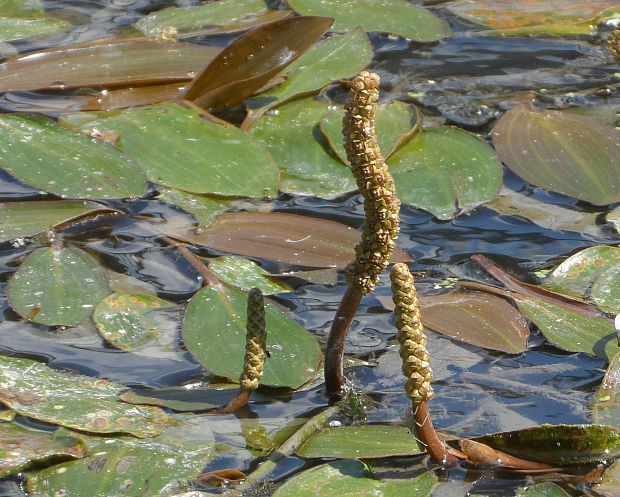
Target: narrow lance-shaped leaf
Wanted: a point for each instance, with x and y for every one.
(12, 29)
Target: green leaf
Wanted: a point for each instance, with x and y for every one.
(613, 218)
(129, 467)
(558, 444)
(214, 332)
(571, 330)
(364, 442)
(201, 19)
(22, 8)
(19, 219)
(545, 489)
(178, 147)
(75, 401)
(336, 57)
(391, 16)
(183, 399)
(444, 166)
(125, 321)
(12, 28)
(289, 133)
(64, 284)
(245, 274)
(43, 154)
(562, 152)
(352, 479)
(606, 408)
(21, 448)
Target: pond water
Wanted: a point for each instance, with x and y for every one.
(466, 80)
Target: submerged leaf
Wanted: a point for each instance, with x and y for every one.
(562, 152)
(182, 399)
(57, 286)
(75, 401)
(214, 331)
(545, 489)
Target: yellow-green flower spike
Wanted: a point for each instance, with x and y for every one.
(374, 181)
(255, 342)
(413, 353)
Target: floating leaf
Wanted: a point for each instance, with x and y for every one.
(21, 448)
(444, 166)
(105, 63)
(178, 147)
(75, 401)
(610, 484)
(391, 16)
(477, 318)
(43, 154)
(559, 444)
(12, 28)
(352, 478)
(19, 219)
(288, 238)
(562, 152)
(183, 399)
(214, 332)
(22, 8)
(224, 16)
(57, 286)
(545, 489)
(571, 330)
(363, 442)
(290, 136)
(245, 274)
(606, 408)
(130, 467)
(253, 59)
(336, 57)
(124, 320)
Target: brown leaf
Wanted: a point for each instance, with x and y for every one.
(221, 477)
(253, 59)
(480, 454)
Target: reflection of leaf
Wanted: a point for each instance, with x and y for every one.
(288, 238)
(391, 16)
(351, 477)
(477, 318)
(57, 286)
(75, 401)
(363, 442)
(253, 59)
(214, 332)
(565, 153)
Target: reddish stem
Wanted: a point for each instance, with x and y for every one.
(426, 433)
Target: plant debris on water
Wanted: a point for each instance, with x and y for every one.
(162, 163)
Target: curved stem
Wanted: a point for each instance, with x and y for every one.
(425, 432)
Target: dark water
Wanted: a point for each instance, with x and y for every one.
(467, 80)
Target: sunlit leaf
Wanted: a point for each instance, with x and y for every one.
(558, 444)
(544, 489)
(125, 321)
(12, 28)
(533, 16)
(57, 286)
(253, 59)
(105, 63)
(351, 478)
(214, 332)
(21, 448)
(245, 274)
(478, 318)
(445, 171)
(130, 467)
(176, 146)
(183, 399)
(290, 134)
(363, 442)
(288, 238)
(22, 8)
(391, 16)
(606, 408)
(75, 401)
(19, 219)
(561, 152)
(210, 18)
(43, 154)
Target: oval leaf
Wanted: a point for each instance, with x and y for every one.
(41, 153)
(561, 152)
(57, 286)
(178, 147)
(478, 318)
(12, 28)
(391, 16)
(443, 167)
(214, 332)
(245, 274)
